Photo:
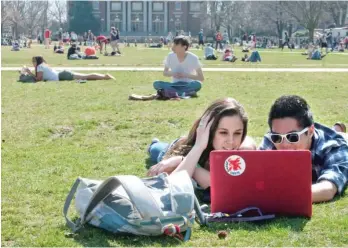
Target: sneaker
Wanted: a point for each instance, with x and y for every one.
(154, 140)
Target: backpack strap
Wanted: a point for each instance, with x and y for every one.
(136, 190)
(73, 226)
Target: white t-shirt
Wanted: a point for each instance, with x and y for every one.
(48, 73)
(189, 65)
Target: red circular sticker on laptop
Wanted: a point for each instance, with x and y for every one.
(235, 165)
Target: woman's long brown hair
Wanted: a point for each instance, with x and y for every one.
(217, 110)
(39, 60)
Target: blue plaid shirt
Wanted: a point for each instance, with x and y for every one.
(329, 156)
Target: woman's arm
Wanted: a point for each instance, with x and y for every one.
(38, 76)
(202, 177)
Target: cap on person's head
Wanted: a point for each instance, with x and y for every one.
(201, 29)
(112, 28)
(342, 126)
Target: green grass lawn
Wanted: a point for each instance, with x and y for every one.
(141, 56)
(54, 132)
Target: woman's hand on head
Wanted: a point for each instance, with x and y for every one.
(167, 165)
(203, 132)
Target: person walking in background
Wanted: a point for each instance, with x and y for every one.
(201, 38)
(218, 38)
(47, 35)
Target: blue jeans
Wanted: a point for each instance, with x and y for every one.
(179, 87)
(157, 151)
(254, 57)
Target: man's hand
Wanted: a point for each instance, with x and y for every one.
(180, 75)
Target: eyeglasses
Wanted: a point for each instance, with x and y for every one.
(293, 137)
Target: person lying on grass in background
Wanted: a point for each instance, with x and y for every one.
(292, 128)
(228, 55)
(223, 126)
(340, 128)
(43, 72)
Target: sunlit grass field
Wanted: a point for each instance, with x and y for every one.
(143, 56)
(53, 132)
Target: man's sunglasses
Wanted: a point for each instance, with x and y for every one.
(293, 137)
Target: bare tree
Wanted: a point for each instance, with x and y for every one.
(4, 14)
(232, 13)
(274, 14)
(33, 13)
(306, 13)
(58, 11)
(338, 11)
(16, 11)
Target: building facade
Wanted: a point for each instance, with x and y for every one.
(149, 17)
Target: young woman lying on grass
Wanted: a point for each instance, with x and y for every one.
(223, 126)
(43, 72)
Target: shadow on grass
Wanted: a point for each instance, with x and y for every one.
(294, 224)
(94, 237)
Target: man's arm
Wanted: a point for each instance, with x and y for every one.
(199, 76)
(167, 73)
(334, 175)
(323, 191)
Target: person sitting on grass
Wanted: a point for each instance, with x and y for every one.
(229, 56)
(74, 52)
(58, 49)
(316, 54)
(209, 53)
(185, 70)
(222, 126)
(292, 128)
(43, 72)
(254, 57)
(15, 46)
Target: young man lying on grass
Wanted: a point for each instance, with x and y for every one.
(292, 128)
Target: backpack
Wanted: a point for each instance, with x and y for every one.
(128, 204)
(26, 78)
(166, 94)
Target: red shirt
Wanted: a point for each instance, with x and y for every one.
(218, 36)
(102, 38)
(47, 34)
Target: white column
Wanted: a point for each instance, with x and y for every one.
(145, 15)
(165, 17)
(150, 17)
(129, 16)
(108, 16)
(124, 17)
